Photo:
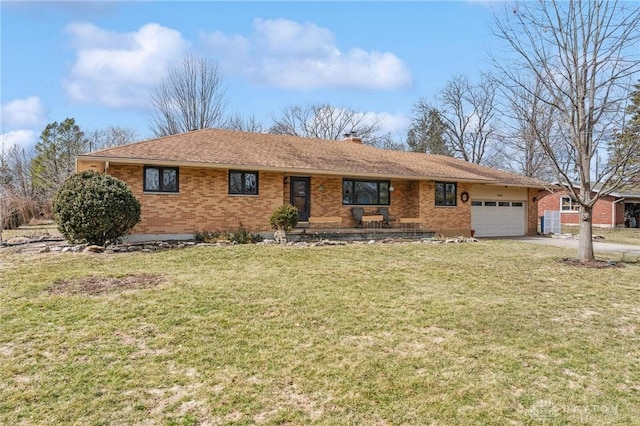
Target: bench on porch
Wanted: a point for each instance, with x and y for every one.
(324, 221)
(374, 220)
(407, 222)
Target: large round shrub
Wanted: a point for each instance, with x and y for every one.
(96, 208)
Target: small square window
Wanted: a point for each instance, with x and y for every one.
(161, 179)
(503, 204)
(568, 204)
(243, 183)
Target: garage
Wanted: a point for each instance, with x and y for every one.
(498, 218)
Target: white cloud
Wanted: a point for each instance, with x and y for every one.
(20, 113)
(395, 124)
(291, 55)
(119, 69)
(17, 137)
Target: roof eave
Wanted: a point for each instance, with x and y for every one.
(293, 170)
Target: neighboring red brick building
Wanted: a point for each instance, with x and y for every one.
(619, 209)
(215, 179)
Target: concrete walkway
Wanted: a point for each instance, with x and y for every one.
(598, 246)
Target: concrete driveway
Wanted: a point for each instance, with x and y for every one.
(598, 246)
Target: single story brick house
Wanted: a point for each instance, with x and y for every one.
(616, 210)
(212, 179)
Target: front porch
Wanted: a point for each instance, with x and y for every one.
(305, 232)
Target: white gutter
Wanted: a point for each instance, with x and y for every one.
(613, 212)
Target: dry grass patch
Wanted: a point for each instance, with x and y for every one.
(97, 285)
(497, 332)
(617, 235)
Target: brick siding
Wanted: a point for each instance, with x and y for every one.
(203, 203)
(601, 210)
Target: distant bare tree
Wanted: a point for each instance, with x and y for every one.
(625, 148)
(109, 137)
(469, 112)
(18, 174)
(243, 124)
(324, 121)
(526, 121)
(17, 198)
(584, 55)
(191, 97)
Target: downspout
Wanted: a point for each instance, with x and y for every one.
(613, 212)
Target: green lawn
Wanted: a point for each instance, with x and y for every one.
(496, 332)
(617, 235)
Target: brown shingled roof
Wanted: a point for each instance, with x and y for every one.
(262, 151)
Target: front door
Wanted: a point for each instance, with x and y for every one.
(300, 196)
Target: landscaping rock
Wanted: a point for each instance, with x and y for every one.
(17, 241)
(93, 249)
(280, 237)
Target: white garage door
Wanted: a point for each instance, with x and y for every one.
(498, 218)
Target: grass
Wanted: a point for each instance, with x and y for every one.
(45, 228)
(497, 332)
(617, 235)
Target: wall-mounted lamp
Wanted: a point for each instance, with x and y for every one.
(286, 180)
(391, 188)
(320, 187)
(534, 199)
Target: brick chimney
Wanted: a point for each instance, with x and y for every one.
(351, 137)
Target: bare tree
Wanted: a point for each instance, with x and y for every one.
(109, 137)
(469, 112)
(525, 121)
(243, 124)
(581, 53)
(324, 121)
(625, 148)
(191, 97)
(17, 197)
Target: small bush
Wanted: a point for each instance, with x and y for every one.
(211, 236)
(241, 236)
(284, 218)
(96, 208)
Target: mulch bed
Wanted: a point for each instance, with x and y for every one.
(597, 264)
(101, 285)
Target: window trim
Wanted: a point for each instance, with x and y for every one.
(572, 203)
(455, 194)
(353, 198)
(161, 170)
(243, 173)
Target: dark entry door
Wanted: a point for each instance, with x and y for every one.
(300, 196)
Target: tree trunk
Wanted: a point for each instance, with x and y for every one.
(585, 243)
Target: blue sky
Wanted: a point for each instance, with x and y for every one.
(97, 61)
